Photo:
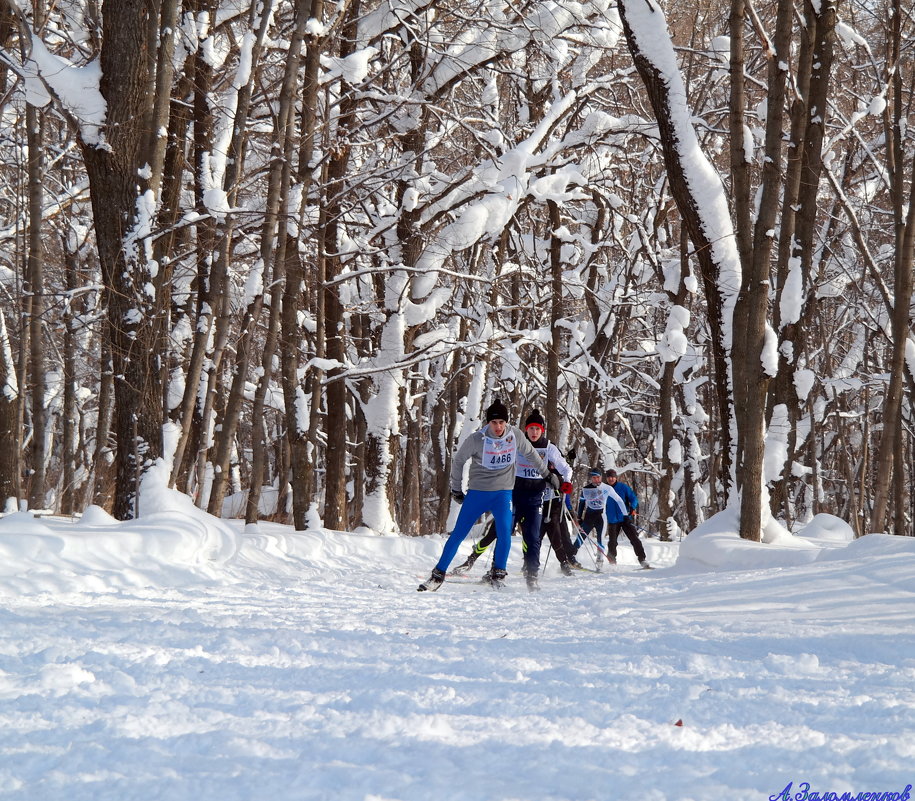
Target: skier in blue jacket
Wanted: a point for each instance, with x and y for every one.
(493, 452)
(622, 508)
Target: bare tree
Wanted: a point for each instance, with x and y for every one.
(711, 248)
(890, 453)
(130, 42)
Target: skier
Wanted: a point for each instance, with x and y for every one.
(591, 505)
(622, 508)
(493, 452)
(553, 522)
(527, 499)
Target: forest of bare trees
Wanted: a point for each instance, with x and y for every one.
(281, 253)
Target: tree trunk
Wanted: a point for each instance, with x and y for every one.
(552, 411)
(212, 265)
(667, 403)
(802, 201)
(69, 452)
(890, 442)
(303, 422)
(751, 312)
(10, 466)
(336, 394)
(101, 488)
(259, 445)
(134, 316)
(277, 192)
(706, 250)
(34, 288)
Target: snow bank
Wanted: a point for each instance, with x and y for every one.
(829, 528)
(97, 553)
(175, 545)
(716, 544)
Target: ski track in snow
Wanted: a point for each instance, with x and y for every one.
(332, 678)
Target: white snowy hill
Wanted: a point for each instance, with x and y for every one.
(178, 657)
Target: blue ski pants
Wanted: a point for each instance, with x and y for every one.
(476, 504)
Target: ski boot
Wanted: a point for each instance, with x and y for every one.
(432, 583)
(566, 568)
(465, 567)
(532, 583)
(497, 578)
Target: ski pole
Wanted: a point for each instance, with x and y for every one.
(583, 536)
(600, 548)
(549, 510)
(594, 552)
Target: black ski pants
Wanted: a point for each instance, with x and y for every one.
(593, 520)
(629, 529)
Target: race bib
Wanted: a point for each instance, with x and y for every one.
(525, 468)
(594, 497)
(499, 453)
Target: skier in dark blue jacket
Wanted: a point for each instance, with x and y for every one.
(622, 509)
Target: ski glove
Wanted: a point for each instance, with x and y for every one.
(566, 488)
(458, 496)
(555, 481)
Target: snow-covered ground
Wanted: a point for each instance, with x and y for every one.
(179, 658)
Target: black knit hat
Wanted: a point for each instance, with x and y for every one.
(535, 419)
(611, 473)
(497, 411)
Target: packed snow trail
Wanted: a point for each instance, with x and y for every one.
(307, 667)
